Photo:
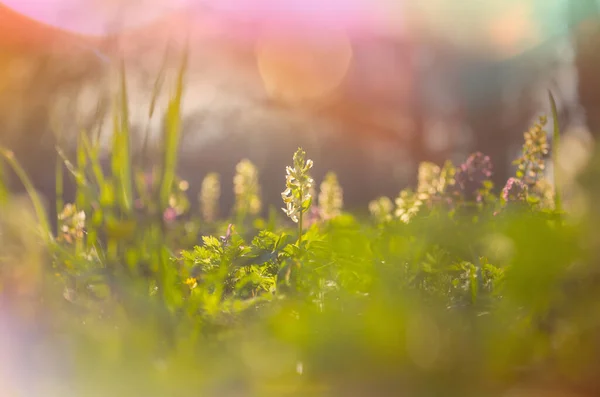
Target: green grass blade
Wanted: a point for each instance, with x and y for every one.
(82, 161)
(171, 137)
(33, 195)
(121, 147)
(3, 185)
(156, 90)
(77, 174)
(158, 82)
(125, 158)
(59, 181)
(92, 153)
(555, 148)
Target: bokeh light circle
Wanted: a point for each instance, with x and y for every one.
(302, 67)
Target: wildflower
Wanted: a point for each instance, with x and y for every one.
(447, 177)
(72, 224)
(514, 190)
(247, 189)
(531, 164)
(331, 197)
(472, 176)
(428, 179)
(169, 215)
(408, 205)
(191, 282)
(210, 192)
(544, 191)
(381, 209)
(297, 196)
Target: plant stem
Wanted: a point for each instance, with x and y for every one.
(301, 217)
(300, 226)
(555, 144)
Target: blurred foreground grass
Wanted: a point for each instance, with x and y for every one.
(455, 288)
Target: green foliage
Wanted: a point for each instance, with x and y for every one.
(453, 292)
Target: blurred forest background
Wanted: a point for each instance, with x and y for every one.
(426, 80)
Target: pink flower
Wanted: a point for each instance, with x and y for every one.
(169, 215)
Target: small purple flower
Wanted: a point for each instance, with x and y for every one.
(514, 190)
(472, 174)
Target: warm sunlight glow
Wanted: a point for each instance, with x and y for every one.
(94, 17)
(513, 31)
(297, 68)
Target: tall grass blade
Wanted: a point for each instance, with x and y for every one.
(171, 136)
(59, 189)
(121, 147)
(555, 148)
(33, 195)
(78, 175)
(3, 185)
(93, 153)
(156, 90)
(82, 161)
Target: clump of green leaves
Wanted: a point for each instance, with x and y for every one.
(370, 308)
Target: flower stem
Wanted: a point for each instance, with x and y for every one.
(300, 226)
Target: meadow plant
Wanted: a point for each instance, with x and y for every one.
(331, 197)
(362, 308)
(381, 209)
(532, 162)
(408, 204)
(435, 183)
(514, 191)
(246, 188)
(429, 182)
(297, 197)
(210, 193)
(472, 178)
(71, 224)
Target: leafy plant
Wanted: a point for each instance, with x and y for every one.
(450, 292)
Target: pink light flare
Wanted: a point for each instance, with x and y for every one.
(100, 17)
